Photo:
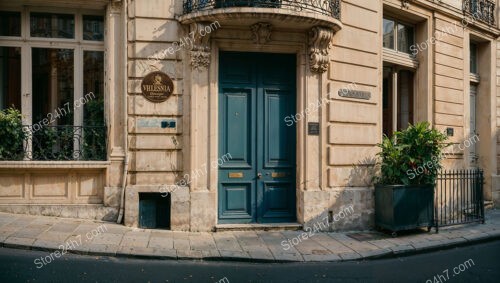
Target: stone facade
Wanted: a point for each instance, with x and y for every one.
(334, 169)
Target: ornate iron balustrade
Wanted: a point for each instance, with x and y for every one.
(83, 143)
(481, 10)
(325, 7)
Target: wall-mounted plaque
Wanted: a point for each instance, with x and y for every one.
(358, 94)
(313, 128)
(157, 87)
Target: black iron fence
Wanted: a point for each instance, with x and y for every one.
(459, 197)
(480, 10)
(324, 7)
(54, 143)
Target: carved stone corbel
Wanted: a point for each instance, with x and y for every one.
(200, 50)
(319, 42)
(261, 32)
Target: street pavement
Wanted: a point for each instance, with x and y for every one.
(476, 263)
(62, 235)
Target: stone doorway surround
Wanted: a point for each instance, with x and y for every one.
(201, 90)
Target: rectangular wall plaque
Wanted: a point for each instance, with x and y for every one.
(313, 129)
(279, 174)
(236, 175)
(358, 94)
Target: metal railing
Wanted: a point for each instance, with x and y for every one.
(325, 7)
(83, 143)
(459, 197)
(481, 10)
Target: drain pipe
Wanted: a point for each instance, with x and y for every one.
(125, 115)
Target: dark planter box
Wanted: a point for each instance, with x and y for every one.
(400, 207)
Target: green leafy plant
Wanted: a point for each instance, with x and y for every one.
(411, 156)
(11, 135)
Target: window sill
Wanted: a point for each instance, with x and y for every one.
(55, 164)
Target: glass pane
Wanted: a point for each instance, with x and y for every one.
(93, 28)
(53, 136)
(473, 58)
(405, 38)
(405, 99)
(52, 25)
(10, 77)
(94, 132)
(10, 23)
(93, 88)
(53, 85)
(388, 39)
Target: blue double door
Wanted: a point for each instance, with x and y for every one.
(256, 94)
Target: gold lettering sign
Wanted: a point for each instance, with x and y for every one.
(236, 175)
(157, 87)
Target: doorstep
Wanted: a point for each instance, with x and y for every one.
(259, 227)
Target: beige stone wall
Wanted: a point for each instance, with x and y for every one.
(353, 125)
(156, 155)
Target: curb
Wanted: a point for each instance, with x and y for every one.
(377, 254)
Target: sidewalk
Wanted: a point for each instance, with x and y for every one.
(109, 239)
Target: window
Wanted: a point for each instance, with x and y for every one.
(473, 59)
(397, 36)
(397, 99)
(57, 84)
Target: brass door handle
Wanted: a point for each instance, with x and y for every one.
(259, 175)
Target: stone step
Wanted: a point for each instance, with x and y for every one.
(258, 227)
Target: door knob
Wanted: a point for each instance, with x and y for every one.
(259, 175)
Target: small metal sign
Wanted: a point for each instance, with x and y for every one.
(236, 175)
(358, 94)
(157, 87)
(313, 129)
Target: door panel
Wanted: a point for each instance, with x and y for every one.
(256, 93)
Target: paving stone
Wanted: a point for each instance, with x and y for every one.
(134, 241)
(101, 249)
(426, 245)
(402, 249)
(383, 244)
(234, 255)
(227, 243)
(375, 253)
(27, 233)
(202, 243)
(328, 257)
(63, 227)
(453, 241)
(47, 244)
(161, 242)
(261, 255)
(181, 244)
(288, 257)
(54, 236)
(17, 242)
(108, 239)
(210, 253)
(136, 251)
(165, 253)
(350, 256)
(189, 254)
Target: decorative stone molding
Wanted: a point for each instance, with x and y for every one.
(319, 42)
(261, 32)
(200, 50)
(405, 4)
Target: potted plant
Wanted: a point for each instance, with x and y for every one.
(409, 165)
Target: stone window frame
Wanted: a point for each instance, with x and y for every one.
(26, 42)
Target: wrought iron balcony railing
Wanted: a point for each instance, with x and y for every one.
(56, 143)
(481, 10)
(325, 7)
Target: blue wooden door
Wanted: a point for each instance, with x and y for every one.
(256, 93)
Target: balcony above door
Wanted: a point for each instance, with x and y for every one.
(290, 14)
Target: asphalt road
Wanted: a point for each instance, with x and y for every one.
(478, 263)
